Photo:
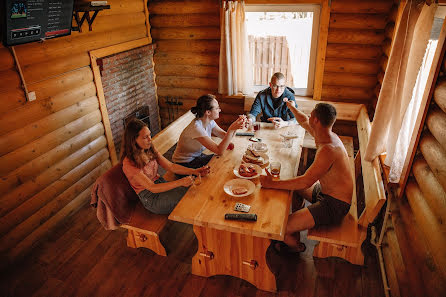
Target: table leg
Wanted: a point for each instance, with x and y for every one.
(240, 255)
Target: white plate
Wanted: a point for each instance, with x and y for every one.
(257, 167)
(235, 183)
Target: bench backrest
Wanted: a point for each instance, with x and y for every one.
(169, 136)
(371, 173)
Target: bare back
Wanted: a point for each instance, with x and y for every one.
(338, 180)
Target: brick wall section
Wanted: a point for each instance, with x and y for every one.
(129, 84)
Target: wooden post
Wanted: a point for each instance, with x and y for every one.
(321, 49)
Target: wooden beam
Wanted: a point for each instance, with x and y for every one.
(321, 49)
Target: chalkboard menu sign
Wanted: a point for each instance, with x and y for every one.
(27, 21)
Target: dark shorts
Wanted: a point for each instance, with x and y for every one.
(197, 162)
(325, 209)
(161, 203)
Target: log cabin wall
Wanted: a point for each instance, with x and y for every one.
(53, 149)
(413, 245)
(187, 35)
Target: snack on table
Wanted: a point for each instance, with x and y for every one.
(247, 170)
(239, 191)
(249, 157)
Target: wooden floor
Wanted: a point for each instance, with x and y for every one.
(80, 258)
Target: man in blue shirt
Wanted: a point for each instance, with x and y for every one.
(271, 103)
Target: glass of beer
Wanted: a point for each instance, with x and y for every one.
(274, 168)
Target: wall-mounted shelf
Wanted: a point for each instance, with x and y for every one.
(86, 8)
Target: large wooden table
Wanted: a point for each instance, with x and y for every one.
(238, 248)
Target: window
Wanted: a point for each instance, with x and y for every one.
(283, 38)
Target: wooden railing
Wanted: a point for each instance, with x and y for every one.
(269, 55)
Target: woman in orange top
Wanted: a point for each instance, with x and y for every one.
(140, 165)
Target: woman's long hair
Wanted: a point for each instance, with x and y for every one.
(203, 104)
(130, 149)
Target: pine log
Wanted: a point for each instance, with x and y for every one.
(393, 15)
(20, 194)
(186, 82)
(123, 7)
(41, 198)
(435, 156)
(186, 33)
(39, 109)
(430, 276)
(398, 264)
(377, 89)
(347, 79)
(9, 78)
(405, 247)
(39, 72)
(55, 205)
(358, 21)
(351, 66)
(350, 93)
(186, 70)
(432, 191)
(27, 243)
(387, 46)
(183, 58)
(389, 30)
(110, 23)
(353, 36)
(33, 168)
(184, 20)
(11, 99)
(364, 6)
(70, 46)
(207, 46)
(59, 84)
(440, 95)
(380, 77)
(383, 63)
(17, 138)
(187, 103)
(429, 224)
(172, 7)
(47, 142)
(436, 122)
(6, 59)
(350, 51)
(183, 92)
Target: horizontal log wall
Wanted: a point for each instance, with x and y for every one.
(418, 236)
(187, 35)
(354, 49)
(53, 149)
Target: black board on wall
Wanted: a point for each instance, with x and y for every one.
(34, 20)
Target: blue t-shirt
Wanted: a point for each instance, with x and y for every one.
(272, 107)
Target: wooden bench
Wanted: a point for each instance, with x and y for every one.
(345, 240)
(144, 227)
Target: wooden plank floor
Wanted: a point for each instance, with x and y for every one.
(82, 259)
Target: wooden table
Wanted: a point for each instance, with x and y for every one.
(238, 248)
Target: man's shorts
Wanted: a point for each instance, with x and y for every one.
(325, 209)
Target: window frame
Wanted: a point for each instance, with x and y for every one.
(316, 9)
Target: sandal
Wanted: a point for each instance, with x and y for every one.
(280, 247)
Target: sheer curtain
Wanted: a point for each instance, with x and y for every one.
(235, 71)
(406, 57)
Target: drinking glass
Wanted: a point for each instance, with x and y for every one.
(274, 168)
(287, 142)
(256, 126)
(197, 180)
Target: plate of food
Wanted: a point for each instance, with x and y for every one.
(259, 147)
(247, 170)
(257, 158)
(239, 187)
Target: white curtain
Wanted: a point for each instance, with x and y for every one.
(410, 42)
(235, 71)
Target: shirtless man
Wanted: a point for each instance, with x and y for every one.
(327, 184)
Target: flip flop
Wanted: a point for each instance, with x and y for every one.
(281, 247)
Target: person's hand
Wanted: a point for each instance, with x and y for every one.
(289, 103)
(203, 171)
(187, 181)
(238, 124)
(266, 181)
(278, 122)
